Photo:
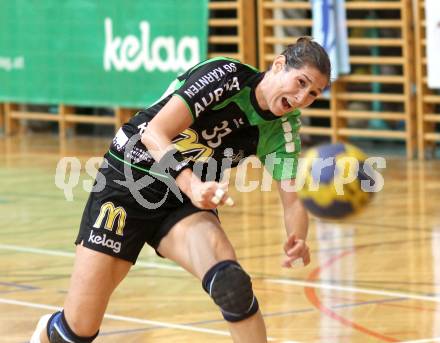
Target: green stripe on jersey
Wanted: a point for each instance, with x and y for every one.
(187, 106)
(137, 167)
(280, 138)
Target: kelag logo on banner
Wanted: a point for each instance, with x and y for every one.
(97, 53)
(132, 53)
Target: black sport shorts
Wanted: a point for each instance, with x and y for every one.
(116, 224)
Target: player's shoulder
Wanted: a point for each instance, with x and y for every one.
(220, 65)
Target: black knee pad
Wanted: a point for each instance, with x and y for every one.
(59, 331)
(231, 289)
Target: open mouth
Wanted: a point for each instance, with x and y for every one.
(286, 104)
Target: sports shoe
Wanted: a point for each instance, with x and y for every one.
(41, 326)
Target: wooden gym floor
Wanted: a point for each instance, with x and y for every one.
(373, 278)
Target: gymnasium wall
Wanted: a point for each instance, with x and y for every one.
(384, 97)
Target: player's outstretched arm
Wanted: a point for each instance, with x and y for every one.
(296, 221)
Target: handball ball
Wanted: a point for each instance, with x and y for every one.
(336, 180)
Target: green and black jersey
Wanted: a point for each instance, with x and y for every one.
(227, 122)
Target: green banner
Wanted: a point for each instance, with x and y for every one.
(97, 53)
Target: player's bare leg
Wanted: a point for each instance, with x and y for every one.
(198, 243)
(94, 278)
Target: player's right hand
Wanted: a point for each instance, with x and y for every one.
(209, 195)
(204, 195)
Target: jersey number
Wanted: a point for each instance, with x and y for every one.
(214, 139)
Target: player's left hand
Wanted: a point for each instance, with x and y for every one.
(297, 252)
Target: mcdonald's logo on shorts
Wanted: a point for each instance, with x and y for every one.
(110, 212)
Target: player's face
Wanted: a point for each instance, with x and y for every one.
(293, 88)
